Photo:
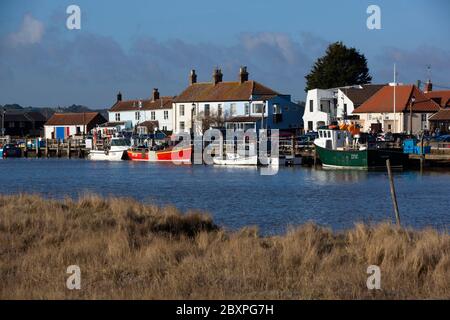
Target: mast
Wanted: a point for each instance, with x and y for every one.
(395, 85)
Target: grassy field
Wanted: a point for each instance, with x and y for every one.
(129, 250)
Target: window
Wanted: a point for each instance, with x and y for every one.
(182, 110)
(258, 108)
(310, 125)
(117, 116)
(164, 128)
(233, 109)
(78, 130)
(207, 110)
(276, 109)
(345, 108)
(424, 117)
(137, 115)
(153, 115)
(320, 134)
(219, 110)
(166, 115)
(389, 127)
(247, 109)
(181, 125)
(329, 134)
(311, 106)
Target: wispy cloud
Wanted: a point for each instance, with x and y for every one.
(31, 31)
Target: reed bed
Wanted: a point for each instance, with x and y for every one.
(129, 250)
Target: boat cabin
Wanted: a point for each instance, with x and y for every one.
(333, 138)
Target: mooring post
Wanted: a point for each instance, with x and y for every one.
(46, 148)
(393, 195)
(68, 148)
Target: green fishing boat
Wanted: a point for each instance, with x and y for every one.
(339, 149)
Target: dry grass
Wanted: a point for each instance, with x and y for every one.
(129, 250)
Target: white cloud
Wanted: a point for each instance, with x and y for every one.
(30, 32)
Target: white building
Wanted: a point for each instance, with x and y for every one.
(68, 125)
(157, 109)
(216, 103)
(324, 106)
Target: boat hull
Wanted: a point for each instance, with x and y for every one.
(247, 161)
(111, 156)
(174, 155)
(362, 159)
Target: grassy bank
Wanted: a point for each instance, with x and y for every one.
(129, 250)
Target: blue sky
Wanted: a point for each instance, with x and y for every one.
(134, 46)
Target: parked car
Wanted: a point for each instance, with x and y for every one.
(443, 138)
(11, 151)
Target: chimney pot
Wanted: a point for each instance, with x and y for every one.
(192, 77)
(119, 96)
(155, 94)
(243, 74)
(428, 86)
(217, 76)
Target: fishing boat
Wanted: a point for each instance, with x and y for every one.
(115, 151)
(340, 148)
(169, 154)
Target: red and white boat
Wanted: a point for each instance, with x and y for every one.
(174, 154)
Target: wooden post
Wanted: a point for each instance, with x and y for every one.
(46, 148)
(37, 147)
(58, 152)
(68, 148)
(315, 157)
(393, 195)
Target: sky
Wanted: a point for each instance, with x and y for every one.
(137, 45)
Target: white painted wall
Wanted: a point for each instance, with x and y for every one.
(145, 115)
(316, 116)
(341, 100)
(48, 130)
(229, 109)
(399, 122)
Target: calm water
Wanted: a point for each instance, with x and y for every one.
(238, 197)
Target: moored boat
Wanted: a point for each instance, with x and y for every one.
(340, 149)
(236, 160)
(171, 154)
(115, 151)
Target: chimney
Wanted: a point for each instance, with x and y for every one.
(119, 97)
(155, 94)
(217, 76)
(428, 86)
(243, 74)
(192, 77)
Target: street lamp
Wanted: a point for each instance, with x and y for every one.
(413, 99)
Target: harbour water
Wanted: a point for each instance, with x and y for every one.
(239, 197)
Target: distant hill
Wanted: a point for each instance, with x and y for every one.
(49, 111)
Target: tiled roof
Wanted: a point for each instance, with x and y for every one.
(148, 104)
(441, 97)
(25, 116)
(83, 118)
(149, 124)
(225, 91)
(360, 95)
(383, 101)
(441, 115)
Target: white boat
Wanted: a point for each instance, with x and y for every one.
(116, 151)
(236, 160)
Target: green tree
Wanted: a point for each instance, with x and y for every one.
(339, 67)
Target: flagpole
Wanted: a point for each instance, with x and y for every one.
(395, 85)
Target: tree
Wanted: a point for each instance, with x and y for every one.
(339, 67)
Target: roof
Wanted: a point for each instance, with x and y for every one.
(147, 104)
(225, 91)
(360, 95)
(83, 118)
(441, 97)
(243, 119)
(441, 115)
(382, 100)
(25, 116)
(149, 124)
